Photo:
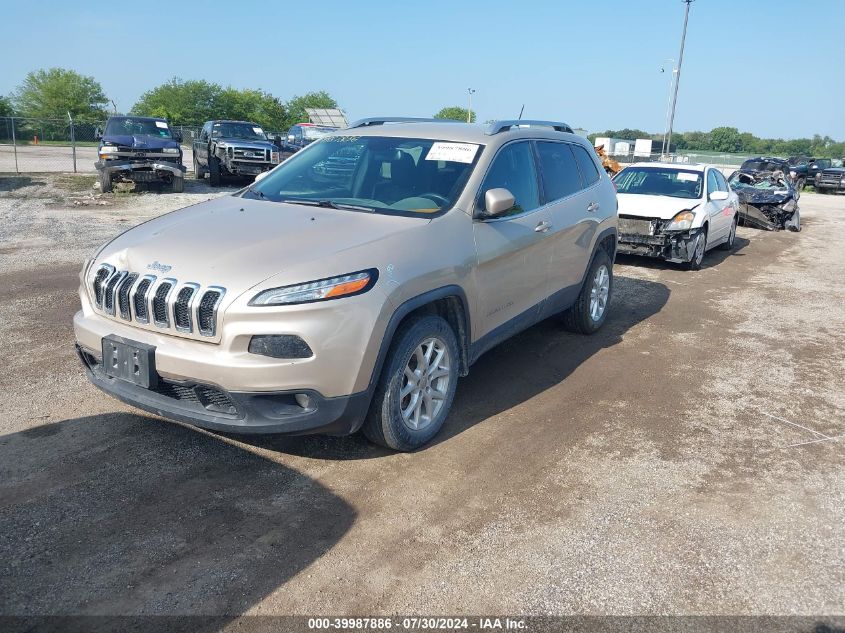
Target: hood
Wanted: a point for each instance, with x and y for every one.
(243, 142)
(762, 196)
(139, 142)
(663, 207)
(237, 243)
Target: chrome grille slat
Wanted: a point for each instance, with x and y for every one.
(165, 303)
(160, 302)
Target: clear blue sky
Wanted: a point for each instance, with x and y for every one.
(770, 67)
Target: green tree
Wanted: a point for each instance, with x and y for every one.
(181, 102)
(296, 106)
(455, 113)
(252, 105)
(52, 93)
(725, 139)
(6, 108)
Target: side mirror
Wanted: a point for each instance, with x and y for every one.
(498, 201)
(291, 138)
(277, 140)
(719, 195)
(177, 136)
(263, 174)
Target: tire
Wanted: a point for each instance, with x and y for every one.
(800, 184)
(199, 172)
(177, 184)
(699, 252)
(794, 223)
(105, 182)
(214, 171)
(385, 423)
(589, 312)
(729, 244)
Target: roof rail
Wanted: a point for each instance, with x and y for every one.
(503, 126)
(381, 120)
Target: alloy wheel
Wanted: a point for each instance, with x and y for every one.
(599, 293)
(425, 383)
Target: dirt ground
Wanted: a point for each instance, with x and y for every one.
(687, 459)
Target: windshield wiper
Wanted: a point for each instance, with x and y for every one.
(329, 204)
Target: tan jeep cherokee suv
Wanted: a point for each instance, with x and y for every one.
(353, 285)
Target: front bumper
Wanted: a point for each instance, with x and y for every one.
(210, 407)
(130, 168)
(674, 247)
(248, 169)
(833, 186)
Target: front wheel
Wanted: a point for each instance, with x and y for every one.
(214, 171)
(105, 182)
(793, 223)
(589, 311)
(199, 172)
(177, 184)
(699, 248)
(417, 386)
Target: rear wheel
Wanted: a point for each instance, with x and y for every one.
(105, 182)
(727, 246)
(589, 311)
(214, 171)
(417, 386)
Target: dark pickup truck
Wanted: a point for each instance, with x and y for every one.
(232, 149)
(301, 135)
(832, 178)
(139, 149)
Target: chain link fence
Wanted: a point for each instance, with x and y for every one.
(61, 145)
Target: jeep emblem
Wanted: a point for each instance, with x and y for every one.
(163, 269)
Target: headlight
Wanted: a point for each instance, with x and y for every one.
(109, 149)
(274, 157)
(170, 150)
(320, 290)
(681, 222)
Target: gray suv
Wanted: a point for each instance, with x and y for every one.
(351, 287)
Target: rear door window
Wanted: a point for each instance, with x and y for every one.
(561, 177)
(513, 169)
(589, 171)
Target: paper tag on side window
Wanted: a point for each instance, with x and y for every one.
(686, 176)
(161, 124)
(454, 152)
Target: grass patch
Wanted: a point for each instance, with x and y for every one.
(75, 183)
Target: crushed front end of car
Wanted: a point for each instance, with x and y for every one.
(767, 200)
(673, 240)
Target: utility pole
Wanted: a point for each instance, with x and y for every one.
(470, 91)
(678, 76)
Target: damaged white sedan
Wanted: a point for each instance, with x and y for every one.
(675, 212)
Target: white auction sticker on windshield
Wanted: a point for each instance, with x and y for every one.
(452, 152)
(161, 124)
(687, 176)
(258, 130)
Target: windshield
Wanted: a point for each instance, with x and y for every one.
(743, 181)
(762, 165)
(404, 176)
(312, 133)
(659, 181)
(227, 129)
(120, 126)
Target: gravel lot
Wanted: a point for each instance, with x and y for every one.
(686, 459)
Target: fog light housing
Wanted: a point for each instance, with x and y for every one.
(303, 400)
(286, 346)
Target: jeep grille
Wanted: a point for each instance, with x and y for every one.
(166, 303)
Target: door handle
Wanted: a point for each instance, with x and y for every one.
(593, 207)
(543, 227)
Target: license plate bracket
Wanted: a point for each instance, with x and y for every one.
(130, 361)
